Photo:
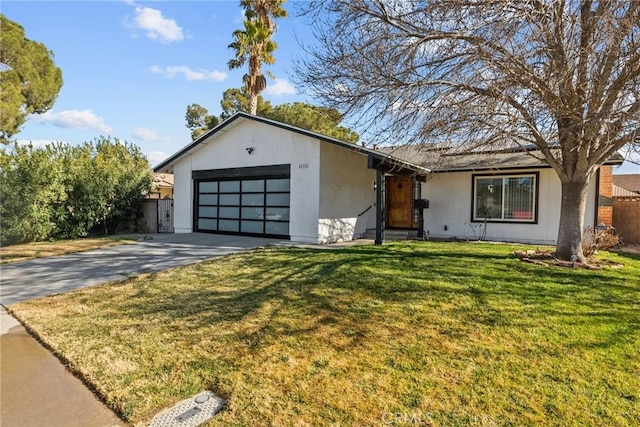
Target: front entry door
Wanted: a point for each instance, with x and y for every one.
(399, 191)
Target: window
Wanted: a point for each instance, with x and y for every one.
(505, 198)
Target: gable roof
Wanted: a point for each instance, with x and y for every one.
(378, 158)
(630, 182)
(163, 180)
(618, 191)
(440, 160)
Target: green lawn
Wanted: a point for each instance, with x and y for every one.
(442, 333)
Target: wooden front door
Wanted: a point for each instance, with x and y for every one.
(399, 191)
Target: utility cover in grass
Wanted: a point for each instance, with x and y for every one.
(190, 412)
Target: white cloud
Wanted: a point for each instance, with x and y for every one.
(145, 134)
(155, 157)
(73, 119)
(157, 27)
(280, 87)
(37, 143)
(189, 74)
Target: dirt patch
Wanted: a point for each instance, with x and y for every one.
(547, 258)
(27, 251)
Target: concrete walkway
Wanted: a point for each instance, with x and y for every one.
(47, 276)
(35, 388)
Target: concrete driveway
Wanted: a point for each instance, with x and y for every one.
(30, 373)
(46, 276)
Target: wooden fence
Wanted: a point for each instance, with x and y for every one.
(626, 218)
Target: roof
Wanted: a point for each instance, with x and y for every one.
(629, 182)
(617, 191)
(441, 160)
(387, 162)
(163, 180)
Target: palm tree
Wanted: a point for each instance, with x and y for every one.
(265, 10)
(254, 44)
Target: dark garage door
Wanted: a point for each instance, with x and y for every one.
(250, 205)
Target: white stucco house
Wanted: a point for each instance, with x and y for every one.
(254, 176)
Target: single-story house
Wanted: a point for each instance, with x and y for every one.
(162, 186)
(254, 176)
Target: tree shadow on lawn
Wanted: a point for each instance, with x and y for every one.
(408, 305)
(347, 288)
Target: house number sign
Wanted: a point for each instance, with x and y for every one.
(303, 166)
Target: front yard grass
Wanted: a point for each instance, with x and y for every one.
(27, 251)
(441, 334)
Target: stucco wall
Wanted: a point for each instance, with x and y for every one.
(182, 196)
(450, 196)
(272, 145)
(346, 191)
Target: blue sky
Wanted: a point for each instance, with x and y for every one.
(130, 68)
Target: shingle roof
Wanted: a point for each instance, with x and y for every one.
(629, 182)
(618, 191)
(163, 180)
(440, 160)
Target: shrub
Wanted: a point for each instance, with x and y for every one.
(599, 239)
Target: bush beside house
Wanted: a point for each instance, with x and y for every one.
(63, 191)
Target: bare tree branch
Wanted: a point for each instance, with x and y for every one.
(563, 75)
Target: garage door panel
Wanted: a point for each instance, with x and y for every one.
(230, 199)
(278, 199)
(252, 227)
(208, 199)
(253, 199)
(228, 225)
(229, 186)
(255, 186)
(255, 205)
(280, 214)
(208, 211)
(208, 224)
(209, 187)
(253, 213)
(229, 213)
(272, 227)
(278, 185)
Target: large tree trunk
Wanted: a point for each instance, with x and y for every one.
(572, 208)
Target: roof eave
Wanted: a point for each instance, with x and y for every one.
(163, 166)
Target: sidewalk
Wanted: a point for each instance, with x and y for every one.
(36, 390)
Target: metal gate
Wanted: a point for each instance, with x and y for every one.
(165, 215)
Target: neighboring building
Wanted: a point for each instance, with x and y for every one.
(254, 176)
(628, 182)
(605, 195)
(626, 207)
(162, 186)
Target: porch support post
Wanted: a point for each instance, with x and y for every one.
(379, 206)
(421, 223)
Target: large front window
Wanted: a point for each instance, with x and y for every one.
(510, 198)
